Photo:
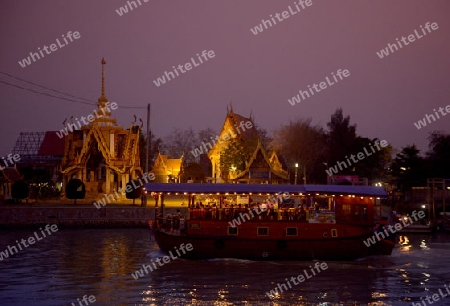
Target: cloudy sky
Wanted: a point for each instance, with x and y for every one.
(258, 73)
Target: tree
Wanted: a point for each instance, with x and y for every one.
(341, 137)
(375, 165)
(155, 145)
(263, 135)
(206, 135)
(180, 143)
(133, 192)
(439, 154)
(35, 175)
(193, 171)
(300, 142)
(408, 168)
(75, 189)
(237, 153)
(19, 190)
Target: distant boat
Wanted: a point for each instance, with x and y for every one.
(334, 224)
(419, 227)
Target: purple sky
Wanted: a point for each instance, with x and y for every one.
(384, 97)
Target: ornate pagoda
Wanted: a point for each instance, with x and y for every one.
(101, 153)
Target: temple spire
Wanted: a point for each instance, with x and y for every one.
(103, 76)
(102, 97)
(103, 113)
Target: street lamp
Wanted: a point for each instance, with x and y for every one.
(304, 175)
(296, 169)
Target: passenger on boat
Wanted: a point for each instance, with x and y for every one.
(208, 212)
(168, 224)
(264, 210)
(316, 206)
(202, 213)
(270, 211)
(254, 207)
(247, 209)
(176, 220)
(232, 211)
(214, 212)
(236, 211)
(302, 213)
(292, 214)
(227, 211)
(286, 214)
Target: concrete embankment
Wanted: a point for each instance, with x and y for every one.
(19, 216)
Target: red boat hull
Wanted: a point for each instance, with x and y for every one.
(314, 241)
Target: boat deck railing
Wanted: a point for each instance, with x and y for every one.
(174, 224)
(178, 224)
(246, 214)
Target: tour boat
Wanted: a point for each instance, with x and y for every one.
(302, 222)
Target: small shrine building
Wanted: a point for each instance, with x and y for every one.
(101, 153)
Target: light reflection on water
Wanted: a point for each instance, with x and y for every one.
(73, 263)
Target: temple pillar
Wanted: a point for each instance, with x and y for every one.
(125, 180)
(108, 181)
(213, 170)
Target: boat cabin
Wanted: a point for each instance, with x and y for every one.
(241, 203)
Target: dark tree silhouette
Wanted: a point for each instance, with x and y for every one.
(439, 154)
(305, 144)
(19, 190)
(341, 137)
(408, 169)
(135, 190)
(75, 189)
(193, 171)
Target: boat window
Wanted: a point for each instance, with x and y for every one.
(346, 209)
(194, 225)
(291, 231)
(263, 231)
(334, 232)
(232, 230)
(359, 212)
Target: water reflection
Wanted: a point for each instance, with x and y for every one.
(100, 262)
(423, 245)
(404, 243)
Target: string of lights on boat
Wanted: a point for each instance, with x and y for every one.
(265, 189)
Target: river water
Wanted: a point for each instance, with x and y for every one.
(98, 263)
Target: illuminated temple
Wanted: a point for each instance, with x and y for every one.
(261, 167)
(101, 153)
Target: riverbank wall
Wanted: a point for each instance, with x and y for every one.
(25, 216)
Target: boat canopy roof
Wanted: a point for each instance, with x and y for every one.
(266, 188)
